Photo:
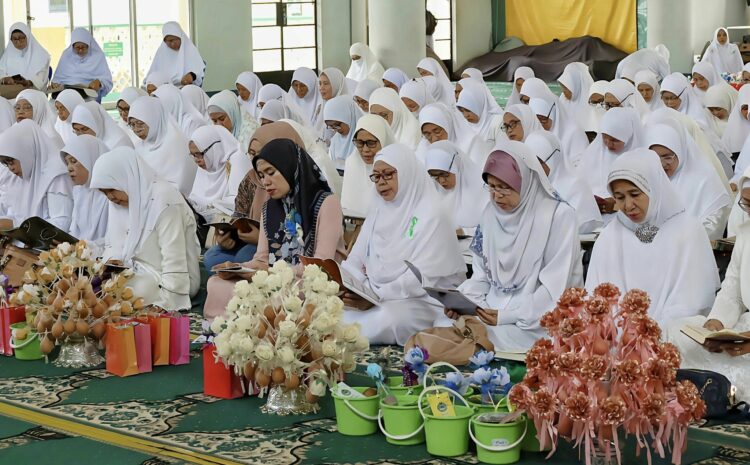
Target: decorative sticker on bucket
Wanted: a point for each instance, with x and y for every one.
(500, 443)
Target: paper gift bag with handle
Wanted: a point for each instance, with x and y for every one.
(121, 356)
(9, 316)
(454, 345)
(159, 325)
(179, 339)
(142, 333)
(219, 380)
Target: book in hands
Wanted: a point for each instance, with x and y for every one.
(452, 299)
(345, 279)
(243, 225)
(232, 269)
(37, 233)
(700, 335)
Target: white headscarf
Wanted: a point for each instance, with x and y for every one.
(405, 127)
(573, 139)
(699, 188)
(366, 87)
(310, 104)
(597, 111)
(678, 283)
(647, 77)
(148, 197)
(438, 92)
(512, 243)
(272, 92)
(413, 227)
(628, 96)
(416, 90)
(457, 129)
(725, 58)
(339, 87)
(738, 127)
(7, 114)
(75, 70)
(42, 169)
(396, 77)
(196, 97)
(474, 98)
(252, 83)
(358, 190)
(186, 116)
(529, 121)
(32, 63)
(565, 179)
(367, 67)
(213, 185)
(654, 59)
(70, 99)
(276, 110)
(318, 152)
(344, 110)
(93, 116)
(226, 102)
(690, 102)
(43, 112)
(165, 148)
(443, 81)
(596, 162)
(176, 64)
(577, 78)
(473, 73)
(90, 206)
(466, 200)
(522, 72)
(717, 97)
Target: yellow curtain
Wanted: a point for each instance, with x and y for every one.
(537, 22)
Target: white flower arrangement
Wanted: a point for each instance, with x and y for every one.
(281, 330)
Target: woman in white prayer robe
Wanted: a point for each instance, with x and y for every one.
(305, 93)
(341, 115)
(554, 118)
(276, 110)
(65, 104)
(406, 223)
(91, 118)
(622, 93)
(163, 145)
(705, 77)
(90, 206)
(526, 250)
(187, 117)
(702, 192)
(197, 97)
(645, 247)
(575, 82)
(430, 67)
(386, 103)
(648, 86)
(33, 104)
(248, 86)
(177, 58)
(43, 187)
(722, 54)
(566, 179)
(84, 63)
(151, 229)
(738, 125)
(394, 78)
(439, 122)
(719, 104)
(518, 122)
(224, 110)
(127, 97)
(362, 93)
(365, 64)
(415, 96)
(483, 115)
(654, 59)
(24, 57)
(521, 74)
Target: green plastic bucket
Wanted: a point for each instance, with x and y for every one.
(356, 417)
(446, 436)
(476, 402)
(29, 348)
(530, 442)
(403, 423)
(498, 443)
(397, 388)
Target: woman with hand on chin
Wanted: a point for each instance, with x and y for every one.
(526, 250)
(406, 222)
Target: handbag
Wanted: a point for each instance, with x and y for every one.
(715, 390)
(454, 345)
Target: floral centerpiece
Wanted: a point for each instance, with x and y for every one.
(285, 334)
(604, 373)
(68, 301)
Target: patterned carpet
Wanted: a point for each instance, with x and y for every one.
(163, 418)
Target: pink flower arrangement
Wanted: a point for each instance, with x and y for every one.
(603, 373)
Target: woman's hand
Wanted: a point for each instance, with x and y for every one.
(186, 79)
(6, 223)
(453, 315)
(114, 262)
(8, 80)
(606, 205)
(249, 237)
(95, 84)
(353, 300)
(224, 239)
(488, 316)
(713, 325)
(735, 350)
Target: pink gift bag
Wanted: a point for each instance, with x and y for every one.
(179, 339)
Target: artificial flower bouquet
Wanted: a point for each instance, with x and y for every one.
(283, 331)
(66, 294)
(604, 373)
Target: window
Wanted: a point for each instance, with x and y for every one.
(284, 36)
(443, 35)
(58, 6)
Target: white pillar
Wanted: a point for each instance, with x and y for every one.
(669, 24)
(397, 33)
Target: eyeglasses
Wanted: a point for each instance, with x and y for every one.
(371, 143)
(442, 176)
(334, 126)
(551, 155)
(668, 159)
(609, 106)
(671, 98)
(203, 153)
(385, 176)
(6, 161)
(501, 191)
(24, 108)
(137, 126)
(18, 38)
(123, 111)
(597, 104)
(744, 205)
(510, 126)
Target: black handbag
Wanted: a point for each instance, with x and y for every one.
(715, 390)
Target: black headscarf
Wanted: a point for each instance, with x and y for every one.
(308, 190)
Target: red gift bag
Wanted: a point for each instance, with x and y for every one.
(9, 316)
(142, 334)
(179, 339)
(121, 356)
(218, 379)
